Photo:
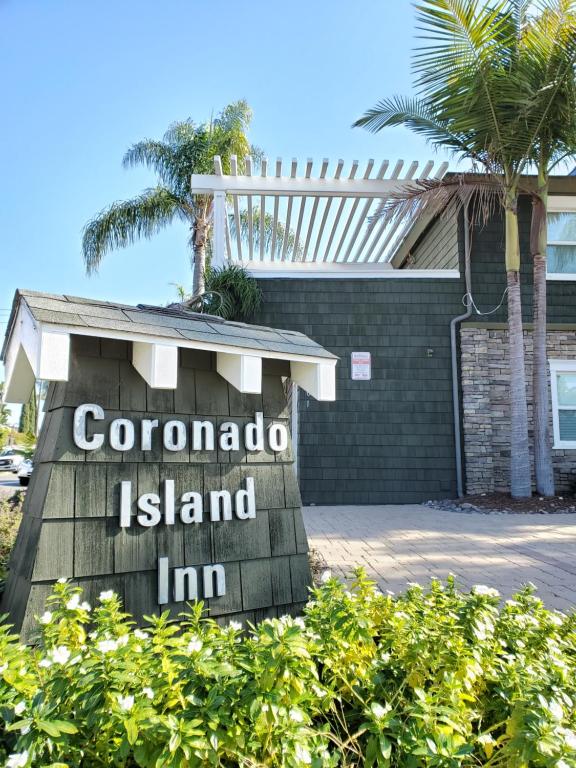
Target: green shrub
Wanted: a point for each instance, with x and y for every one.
(10, 517)
(430, 678)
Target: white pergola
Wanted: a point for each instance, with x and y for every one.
(329, 218)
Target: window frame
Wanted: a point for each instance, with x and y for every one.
(561, 204)
(558, 367)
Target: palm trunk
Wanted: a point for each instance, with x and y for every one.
(520, 480)
(542, 443)
(199, 245)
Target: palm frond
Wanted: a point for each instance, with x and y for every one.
(125, 222)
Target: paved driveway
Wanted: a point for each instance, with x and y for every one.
(398, 544)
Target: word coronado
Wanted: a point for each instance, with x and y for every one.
(200, 435)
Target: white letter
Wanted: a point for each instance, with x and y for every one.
(215, 498)
(125, 503)
(254, 433)
(174, 429)
(79, 430)
(169, 502)
(209, 571)
(121, 435)
(198, 429)
(245, 501)
(151, 514)
(148, 425)
(278, 437)
(191, 510)
(230, 437)
(188, 575)
(163, 577)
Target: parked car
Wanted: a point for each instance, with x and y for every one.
(10, 459)
(25, 471)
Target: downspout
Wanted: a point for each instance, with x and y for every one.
(454, 352)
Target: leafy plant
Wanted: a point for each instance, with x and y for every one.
(10, 518)
(434, 678)
(231, 293)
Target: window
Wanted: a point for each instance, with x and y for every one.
(563, 381)
(562, 238)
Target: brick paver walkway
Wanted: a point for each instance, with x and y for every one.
(398, 544)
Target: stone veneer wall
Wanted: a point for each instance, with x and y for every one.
(486, 413)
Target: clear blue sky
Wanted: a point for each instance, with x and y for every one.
(81, 81)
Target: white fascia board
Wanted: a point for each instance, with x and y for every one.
(343, 270)
(207, 184)
(561, 203)
(567, 276)
(244, 372)
(182, 343)
(318, 379)
(35, 351)
(156, 363)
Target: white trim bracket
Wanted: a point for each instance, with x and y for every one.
(318, 379)
(244, 372)
(34, 352)
(156, 363)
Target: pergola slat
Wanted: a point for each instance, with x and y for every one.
(248, 162)
(323, 170)
(275, 215)
(237, 223)
(337, 175)
(293, 171)
(263, 173)
(383, 219)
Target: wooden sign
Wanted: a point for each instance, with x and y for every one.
(163, 495)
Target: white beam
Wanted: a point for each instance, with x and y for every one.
(244, 372)
(20, 377)
(206, 184)
(318, 379)
(156, 363)
(219, 229)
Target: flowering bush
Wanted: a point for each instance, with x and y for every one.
(430, 678)
(10, 517)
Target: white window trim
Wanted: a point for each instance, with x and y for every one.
(558, 367)
(561, 204)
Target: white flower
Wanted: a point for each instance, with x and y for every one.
(378, 710)
(235, 625)
(299, 621)
(106, 646)
(555, 709)
(86, 606)
(320, 692)
(122, 640)
(19, 708)
(557, 619)
(302, 754)
(107, 595)
(62, 580)
(482, 589)
(326, 576)
(140, 635)
(45, 663)
(73, 603)
(46, 617)
(126, 702)
(17, 760)
(569, 738)
(24, 730)
(60, 655)
(194, 646)
(296, 716)
(148, 692)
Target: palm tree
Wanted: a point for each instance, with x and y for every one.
(548, 46)
(186, 148)
(473, 86)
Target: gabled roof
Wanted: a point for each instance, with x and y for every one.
(40, 324)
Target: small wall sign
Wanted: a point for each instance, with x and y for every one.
(361, 366)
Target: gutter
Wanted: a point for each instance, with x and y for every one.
(454, 354)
